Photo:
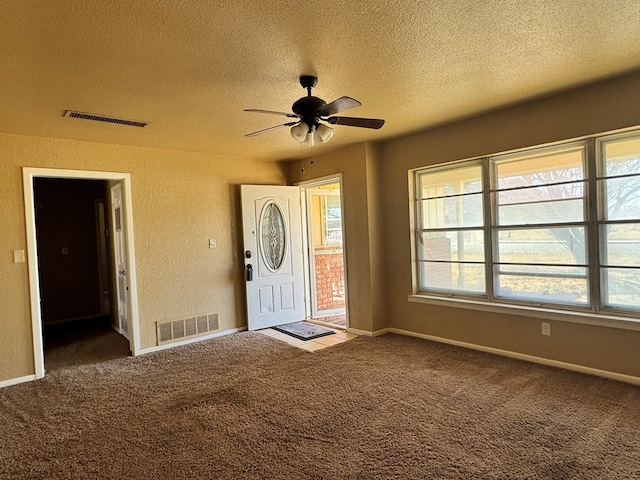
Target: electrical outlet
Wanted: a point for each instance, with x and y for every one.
(546, 329)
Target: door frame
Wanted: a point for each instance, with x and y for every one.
(307, 184)
(28, 175)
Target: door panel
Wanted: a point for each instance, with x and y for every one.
(122, 288)
(274, 274)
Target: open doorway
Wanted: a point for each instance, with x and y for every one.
(72, 225)
(64, 294)
(326, 262)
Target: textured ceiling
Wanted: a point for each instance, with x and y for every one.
(189, 68)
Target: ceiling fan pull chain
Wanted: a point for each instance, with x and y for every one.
(301, 158)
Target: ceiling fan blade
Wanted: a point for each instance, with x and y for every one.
(264, 130)
(357, 122)
(272, 112)
(339, 105)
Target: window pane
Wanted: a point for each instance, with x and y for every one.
(622, 198)
(622, 157)
(452, 246)
(548, 285)
(465, 211)
(544, 169)
(455, 181)
(333, 212)
(541, 211)
(550, 245)
(544, 193)
(272, 236)
(621, 287)
(449, 200)
(460, 277)
(621, 244)
(544, 270)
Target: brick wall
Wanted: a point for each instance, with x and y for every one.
(329, 278)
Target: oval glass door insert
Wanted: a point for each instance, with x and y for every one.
(272, 236)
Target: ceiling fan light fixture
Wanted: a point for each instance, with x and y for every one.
(299, 132)
(310, 140)
(325, 132)
(310, 111)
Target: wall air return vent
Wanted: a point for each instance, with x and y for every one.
(184, 328)
(104, 118)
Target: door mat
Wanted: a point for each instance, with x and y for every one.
(303, 330)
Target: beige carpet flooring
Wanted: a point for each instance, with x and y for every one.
(82, 342)
(248, 406)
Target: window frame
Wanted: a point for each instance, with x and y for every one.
(460, 228)
(593, 170)
(600, 178)
(491, 164)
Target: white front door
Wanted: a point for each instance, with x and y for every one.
(122, 287)
(273, 256)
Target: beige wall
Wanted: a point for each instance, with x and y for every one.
(180, 200)
(607, 106)
(358, 169)
(375, 203)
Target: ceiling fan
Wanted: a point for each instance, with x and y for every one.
(311, 113)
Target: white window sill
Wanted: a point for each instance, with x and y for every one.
(587, 318)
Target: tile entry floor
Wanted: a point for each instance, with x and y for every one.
(310, 345)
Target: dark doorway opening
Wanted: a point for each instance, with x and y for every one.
(74, 254)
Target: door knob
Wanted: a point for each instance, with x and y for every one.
(249, 273)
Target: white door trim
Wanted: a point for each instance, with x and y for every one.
(310, 192)
(316, 182)
(28, 175)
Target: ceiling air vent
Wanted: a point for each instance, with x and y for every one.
(104, 118)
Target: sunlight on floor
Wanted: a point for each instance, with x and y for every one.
(310, 345)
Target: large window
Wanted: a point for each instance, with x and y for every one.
(451, 239)
(540, 226)
(555, 226)
(618, 187)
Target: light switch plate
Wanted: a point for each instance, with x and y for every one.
(18, 256)
(213, 243)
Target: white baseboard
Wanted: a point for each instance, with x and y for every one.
(191, 340)
(15, 381)
(521, 356)
(367, 333)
